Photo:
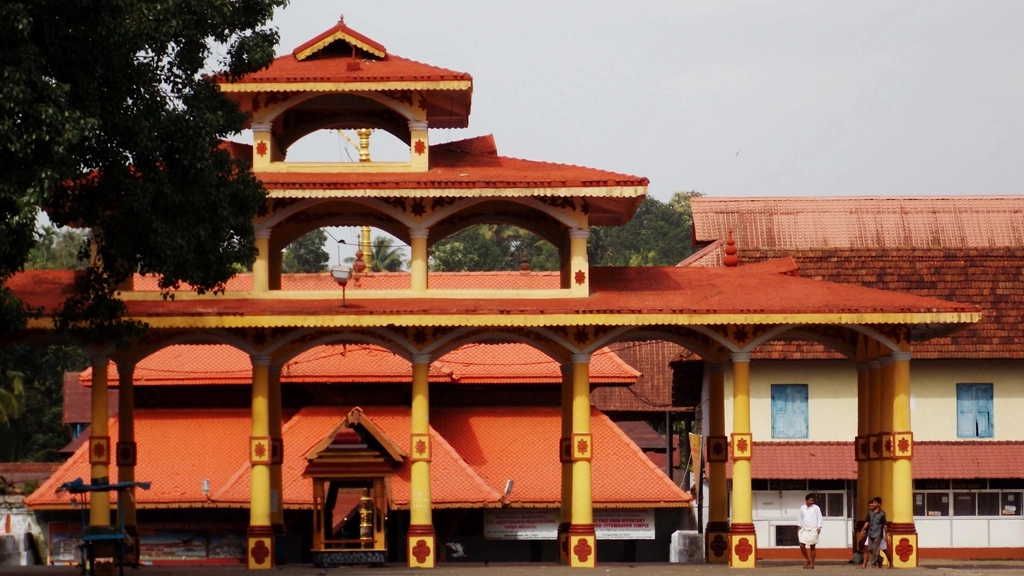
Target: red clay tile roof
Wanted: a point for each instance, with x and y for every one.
(529, 438)
(462, 169)
(990, 278)
(968, 248)
(642, 434)
(344, 32)
(932, 460)
(514, 363)
(862, 222)
(453, 484)
(175, 452)
(177, 449)
(21, 472)
(653, 389)
(671, 290)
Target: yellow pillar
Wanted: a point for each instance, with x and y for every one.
(418, 259)
(260, 537)
(887, 373)
(419, 145)
(862, 443)
(904, 534)
(875, 425)
(422, 544)
(99, 444)
(261, 266)
(365, 246)
(565, 457)
(579, 264)
(582, 548)
(742, 537)
(125, 455)
(716, 535)
(276, 458)
(264, 146)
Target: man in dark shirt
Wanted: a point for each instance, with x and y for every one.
(877, 528)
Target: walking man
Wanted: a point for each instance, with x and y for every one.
(877, 527)
(810, 529)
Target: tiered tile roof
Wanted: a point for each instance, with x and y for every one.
(177, 449)
(969, 249)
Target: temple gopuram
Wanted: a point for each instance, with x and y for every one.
(367, 459)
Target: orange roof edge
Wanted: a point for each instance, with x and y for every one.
(357, 417)
(686, 496)
(340, 32)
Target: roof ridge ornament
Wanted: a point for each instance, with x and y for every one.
(731, 260)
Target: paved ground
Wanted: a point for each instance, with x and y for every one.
(930, 568)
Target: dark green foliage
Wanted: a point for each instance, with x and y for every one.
(658, 235)
(307, 254)
(109, 123)
(385, 256)
(35, 432)
(492, 247)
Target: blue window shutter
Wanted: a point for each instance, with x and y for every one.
(789, 411)
(966, 417)
(798, 401)
(983, 404)
(778, 411)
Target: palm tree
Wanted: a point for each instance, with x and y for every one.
(384, 255)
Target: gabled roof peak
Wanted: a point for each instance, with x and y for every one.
(340, 33)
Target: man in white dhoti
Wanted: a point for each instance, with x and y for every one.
(810, 528)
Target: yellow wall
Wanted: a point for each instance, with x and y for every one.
(933, 396)
(832, 397)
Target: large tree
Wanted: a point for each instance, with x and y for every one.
(659, 234)
(492, 247)
(111, 121)
(307, 254)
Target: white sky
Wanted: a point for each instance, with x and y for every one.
(818, 98)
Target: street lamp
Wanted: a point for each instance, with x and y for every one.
(341, 273)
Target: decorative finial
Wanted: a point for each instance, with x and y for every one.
(731, 259)
(364, 143)
(341, 19)
(524, 265)
(359, 266)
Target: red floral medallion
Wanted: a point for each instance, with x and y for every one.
(744, 549)
(582, 549)
(421, 447)
(260, 450)
(581, 277)
(904, 549)
(718, 545)
(904, 445)
(420, 147)
(421, 551)
(99, 450)
(582, 447)
(741, 445)
(261, 148)
(259, 552)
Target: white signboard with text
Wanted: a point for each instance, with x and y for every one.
(541, 524)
